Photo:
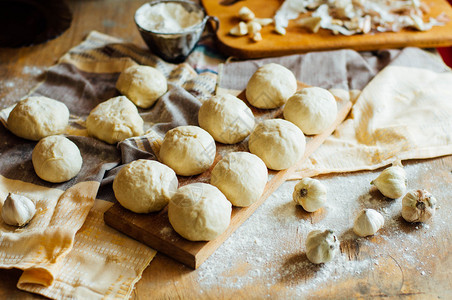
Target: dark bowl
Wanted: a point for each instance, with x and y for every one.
(175, 47)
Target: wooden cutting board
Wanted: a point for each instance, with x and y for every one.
(298, 40)
(155, 230)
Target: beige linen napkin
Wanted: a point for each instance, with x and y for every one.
(403, 113)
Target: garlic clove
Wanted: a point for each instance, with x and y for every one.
(263, 21)
(321, 246)
(18, 210)
(253, 27)
(368, 222)
(257, 37)
(280, 30)
(246, 14)
(240, 29)
(311, 23)
(418, 206)
(310, 193)
(392, 181)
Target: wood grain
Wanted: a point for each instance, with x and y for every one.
(298, 40)
(155, 229)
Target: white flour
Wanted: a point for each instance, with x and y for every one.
(255, 253)
(167, 17)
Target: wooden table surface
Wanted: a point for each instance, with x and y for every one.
(419, 266)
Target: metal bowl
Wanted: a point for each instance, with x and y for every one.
(175, 46)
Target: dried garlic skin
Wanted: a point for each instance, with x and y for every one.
(310, 193)
(391, 182)
(321, 246)
(368, 222)
(18, 210)
(418, 206)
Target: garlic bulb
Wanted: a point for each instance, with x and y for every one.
(418, 206)
(18, 210)
(321, 246)
(368, 222)
(310, 194)
(392, 181)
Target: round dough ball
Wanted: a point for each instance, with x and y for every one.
(199, 212)
(227, 118)
(279, 143)
(188, 150)
(142, 84)
(114, 120)
(56, 159)
(312, 109)
(241, 176)
(270, 86)
(37, 117)
(144, 186)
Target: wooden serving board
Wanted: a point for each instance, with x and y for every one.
(155, 230)
(299, 40)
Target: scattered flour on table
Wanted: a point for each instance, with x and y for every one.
(254, 253)
(33, 70)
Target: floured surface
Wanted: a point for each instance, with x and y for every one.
(397, 260)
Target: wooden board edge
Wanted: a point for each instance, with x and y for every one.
(112, 220)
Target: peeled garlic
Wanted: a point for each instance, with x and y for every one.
(418, 206)
(392, 181)
(257, 37)
(281, 30)
(253, 27)
(368, 222)
(18, 210)
(240, 29)
(246, 14)
(311, 23)
(321, 246)
(263, 21)
(310, 194)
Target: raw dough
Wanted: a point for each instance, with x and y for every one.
(143, 85)
(270, 86)
(37, 117)
(114, 120)
(227, 118)
(188, 150)
(312, 109)
(241, 176)
(56, 159)
(279, 143)
(144, 186)
(199, 212)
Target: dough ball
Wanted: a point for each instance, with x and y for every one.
(241, 176)
(56, 159)
(114, 120)
(227, 118)
(37, 117)
(312, 109)
(279, 143)
(199, 212)
(270, 86)
(188, 150)
(142, 84)
(144, 186)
